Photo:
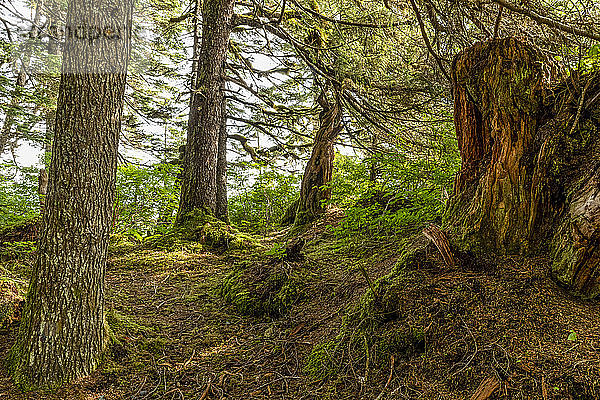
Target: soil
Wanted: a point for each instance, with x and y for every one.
(502, 331)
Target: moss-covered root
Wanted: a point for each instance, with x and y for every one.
(272, 294)
(373, 329)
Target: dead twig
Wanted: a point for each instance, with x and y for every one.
(544, 389)
(435, 234)
(486, 388)
(389, 379)
(205, 393)
(580, 107)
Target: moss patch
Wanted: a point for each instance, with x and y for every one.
(202, 228)
(265, 289)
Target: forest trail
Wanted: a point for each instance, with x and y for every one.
(503, 328)
(178, 339)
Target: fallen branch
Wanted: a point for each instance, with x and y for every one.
(435, 234)
(486, 388)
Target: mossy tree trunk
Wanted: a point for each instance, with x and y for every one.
(221, 210)
(200, 167)
(319, 170)
(520, 137)
(62, 333)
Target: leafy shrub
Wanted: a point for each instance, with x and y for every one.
(259, 198)
(147, 198)
(409, 191)
(19, 200)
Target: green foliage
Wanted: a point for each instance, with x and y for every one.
(591, 62)
(409, 192)
(18, 194)
(147, 198)
(349, 181)
(259, 206)
(17, 250)
(277, 252)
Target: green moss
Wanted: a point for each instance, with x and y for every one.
(263, 293)
(321, 363)
(205, 230)
(234, 291)
(153, 345)
(123, 324)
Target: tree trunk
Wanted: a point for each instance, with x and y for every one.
(319, 169)
(528, 181)
(199, 186)
(62, 333)
(51, 87)
(221, 211)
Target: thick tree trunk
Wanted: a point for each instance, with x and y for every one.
(62, 333)
(199, 185)
(319, 169)
(528, 181)
(221, 210)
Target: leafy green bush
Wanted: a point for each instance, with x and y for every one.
(409, 191)
(260, 197)
(19, 200)
(147, 198)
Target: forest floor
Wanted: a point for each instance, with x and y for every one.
(501, 331)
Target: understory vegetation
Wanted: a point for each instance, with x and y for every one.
(356, 304)
(299, 200)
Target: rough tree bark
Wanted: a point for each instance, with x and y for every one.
(221, 210)
(530, 165)
(62, 333)
(319, 169)
(199, 184)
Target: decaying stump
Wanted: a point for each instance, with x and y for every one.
(530, 176)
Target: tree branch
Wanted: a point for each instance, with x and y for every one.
(547, 21)
(427, 42)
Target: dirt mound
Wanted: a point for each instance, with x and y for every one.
(433, 333)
